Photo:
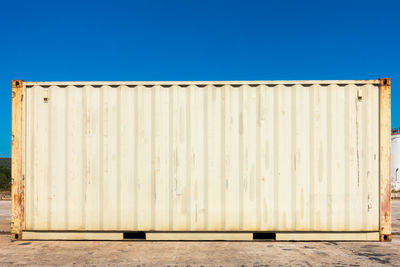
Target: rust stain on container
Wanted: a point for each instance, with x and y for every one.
(17, 187)
(385, 143)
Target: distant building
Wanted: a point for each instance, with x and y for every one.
(395, 159)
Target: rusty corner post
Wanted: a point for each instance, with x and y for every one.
(384, 159)
(17, 180)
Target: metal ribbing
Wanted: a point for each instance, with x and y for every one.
(49, 159)
(346, 157)
(241, 161)
(171, 159)
(276, 156)
(258, 157)
(101, 155)
(84, 157)
(205, 123)
(118, 163)
(153, 194)
(135, 158)
(32, 177)
(329, 157)
(250, 153)
(66, 149)
(223, 178)
(365, 133)
(294, 154)
(312, 156)
(188, 162)
(358, 126)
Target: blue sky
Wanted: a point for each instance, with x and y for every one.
(196, 40)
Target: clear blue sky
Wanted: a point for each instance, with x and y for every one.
(196, 40)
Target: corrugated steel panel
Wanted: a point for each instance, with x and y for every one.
(202, 156)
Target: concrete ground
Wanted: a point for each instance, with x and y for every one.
(156, 253)
(5, 215)
(396, 216)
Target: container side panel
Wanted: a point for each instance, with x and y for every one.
(372, 157)
(57, 148)
(144, 158)
(284, 164)
(93, 178)
(249, 157)
(196, 157)
(126, 163)
(40, 158)
(318, 162)
(301, 162)
(266, 159)
(109, 167)
(231, 160)
(322, 165)
(74, 161)
(30, 186)
(353, 191)
(339, 135)
(213, 158)
(203, 157)
(161, 159)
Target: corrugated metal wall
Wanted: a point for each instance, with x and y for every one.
(202, 156)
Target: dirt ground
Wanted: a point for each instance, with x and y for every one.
(156, 253)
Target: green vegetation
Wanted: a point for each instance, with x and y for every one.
(5, 163)
(5, 174)
(5, 179)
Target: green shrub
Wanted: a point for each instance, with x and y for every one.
(5, 179)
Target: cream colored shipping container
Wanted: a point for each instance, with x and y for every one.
(287, 160)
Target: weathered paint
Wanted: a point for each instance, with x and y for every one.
(17, 187)
(30, 235)
(385, 139)
(370, 236)
(202, 156)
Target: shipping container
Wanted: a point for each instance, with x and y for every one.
(235, 160)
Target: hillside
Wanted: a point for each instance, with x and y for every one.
(5, 174)
(5, 163)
